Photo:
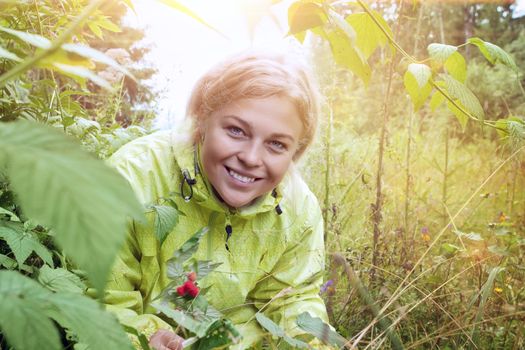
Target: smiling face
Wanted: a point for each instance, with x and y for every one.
(248, 147)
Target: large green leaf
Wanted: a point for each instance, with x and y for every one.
(175, 265)
(88, 320)
(33, 39)
(417, 83)
(166, 217)
(304, 15)
(493, 53)
(22, 319)
(9, 55)
(95, 55)
(459, 91)
(319, 329)
(22, 243)
(369, 35)
(83, 73)
(343, 25)
(60, 280)
(277, 331)
(60, 185)
(440, 52)
(347, 55)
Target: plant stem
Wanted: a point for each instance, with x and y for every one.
(29, 62)
(328, 142)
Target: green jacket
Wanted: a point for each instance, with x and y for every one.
(275, 243)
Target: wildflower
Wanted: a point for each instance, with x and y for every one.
(502, 217)
(498, 290)
(424, 234)
(326, 286)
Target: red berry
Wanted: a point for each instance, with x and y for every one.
(191, 289)
(192, 276)
(181, 290)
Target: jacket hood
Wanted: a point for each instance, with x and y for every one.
(196, 187)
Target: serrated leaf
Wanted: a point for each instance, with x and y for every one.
(369, 36)
(459, 91)
(348, 56)
(493, 53)
(83, 73)
(456, 66)
(416, 81)
(33, 39)
(175, 264)
(166, 217)
(85, 202)
(440, 52)
(88, 320)
(97, 56)
(60, 280)
(277, 331)
(343, 25)
(303, 16)
(199, 328)
(9, 55)
(22, 320)
(319, 329)
(22, 244)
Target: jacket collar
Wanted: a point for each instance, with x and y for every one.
(187, 156)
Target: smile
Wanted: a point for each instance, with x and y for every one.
(239, 177)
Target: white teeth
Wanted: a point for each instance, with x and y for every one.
(241, 178)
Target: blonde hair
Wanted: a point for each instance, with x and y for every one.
(256, 75)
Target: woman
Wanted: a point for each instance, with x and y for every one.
(252, 116)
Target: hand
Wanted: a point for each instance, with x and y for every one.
(164, 339)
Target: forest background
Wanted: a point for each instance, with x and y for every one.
(419, 168)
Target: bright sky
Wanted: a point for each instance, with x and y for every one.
(184, 48)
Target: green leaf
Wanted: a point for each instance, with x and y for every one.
(471, 236)
(304, 15)
(22, 243)
(166, 217)
(95, 29)
(187, 11)
(22, 319)
(7, 262)
(84, 73)
(198, 328)
(348, 56)
(440, 52)
(88, 320)
(459, 91)
(33, 39)
(105, 23)
(460, 116)
(449, 250)
(416, 81)
(95, 55)
(60, 280)
(9, 55)
(320, 330)
(369, 36)
(175, 264)
(436, 100)
(343, 25)
(277, 331)
(85, 202)
(493, 53)
(457, 67)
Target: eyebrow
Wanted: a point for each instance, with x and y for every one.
(250, 126)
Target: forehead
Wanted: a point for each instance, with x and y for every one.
(271, 115)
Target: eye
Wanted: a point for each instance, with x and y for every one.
(235, 131)
(278, 146)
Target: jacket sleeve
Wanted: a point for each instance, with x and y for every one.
(125, 294)
(293, 285)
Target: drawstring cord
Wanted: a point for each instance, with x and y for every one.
(186, 178)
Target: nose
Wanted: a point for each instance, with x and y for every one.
(251, 155)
